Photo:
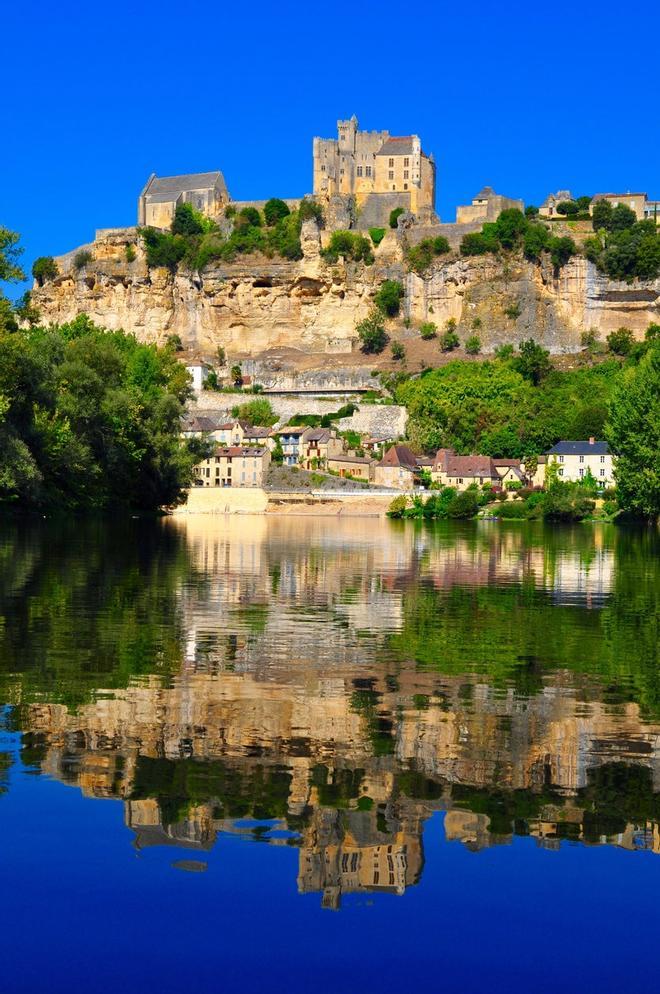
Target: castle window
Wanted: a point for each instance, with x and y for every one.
(367, 170)
(359, 170)
(323, 168)
(406, 161)
(405, 186)
(391, 163)
(393, 186)
(405, 174)
(341, 172)
(390, 175)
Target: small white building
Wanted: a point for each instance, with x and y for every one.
(573, 459)
(199, 372)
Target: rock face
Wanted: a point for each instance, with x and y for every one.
(254, 303)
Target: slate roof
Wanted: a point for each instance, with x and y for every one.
(399, 455)
(257, 431)
(581, 448)
(318, 435)
(232, 451)
(363, 460)
(485, 193)
(199, 423)
(397, 146)
(166, 187)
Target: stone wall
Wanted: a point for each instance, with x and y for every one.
(375, 419)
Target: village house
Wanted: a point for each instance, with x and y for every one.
(450, 470)
(510, 471)
(199, 426)
(199, 372)
(158, 201)
(376, 442)
(291, 442)
(573, 459)
(549, 206)
(359, 467)
(234, 466)
(643, 208)
(486, 206)
(317, 446)
(398, 468)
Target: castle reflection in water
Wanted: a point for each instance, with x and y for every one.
(340, 681)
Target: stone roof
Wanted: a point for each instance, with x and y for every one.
(257, 431)
(507, 462)
(317, 435)
(471, 466)
(558, 197)
(362, 460)
(166, 187)
(399, 455)
(199, 423)
(588, 447)
(233, 451)
(397, 146)
(485, 193)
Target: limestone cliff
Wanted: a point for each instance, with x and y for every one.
(255, 303)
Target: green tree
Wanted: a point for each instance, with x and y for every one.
(187, 221)
(533, 363)
(583, 204)
(395, 215)
(258, 412)
(561, 250)
(622, 217)
(82, 259)
(371, 333)
(248, 217)
(531, 211)
(620, 342)
(44, 269)
(535, 241)
(601, 216)
(510, 227)
(568, 208)
(389, 297)
(275, 210)
(10, 253)
(633, 432)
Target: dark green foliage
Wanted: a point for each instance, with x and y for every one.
(620, 342)
(309, 210)
(420, 256)
(427, 330)
(535, 241)
(186, 221)
(322, 421)
(568, 208)
(622, 217)
(274, 210)
(533, 363)
(473, 345)
(90, 418)
(583, 204)
(449, 340)
(601, 216)
(248, 217)
(351, 245)
(398, 351)
(504, 351)
(464, 403)
(174, 342)
(25, 309)
(633, 431)
(561, 250)
(514, 231)
(163, 250)
(531, 211)
(395, 215)
(44, 269)
(510, 228)
(376, 235)
(445, 503)
(372, 333)
(257, 412)
(82, 259)
(477, 243)
(627, 252)
(388, 298)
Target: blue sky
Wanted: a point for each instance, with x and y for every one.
(528, 98)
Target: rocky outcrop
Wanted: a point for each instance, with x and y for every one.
(255, 304)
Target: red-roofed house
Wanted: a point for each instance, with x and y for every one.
(451, 470)
(398, 468)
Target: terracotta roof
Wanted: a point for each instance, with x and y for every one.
(471, 466)
(399, 455)
(507, 462)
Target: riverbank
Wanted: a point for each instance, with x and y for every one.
(254, 500)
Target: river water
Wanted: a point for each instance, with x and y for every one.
(303, 754)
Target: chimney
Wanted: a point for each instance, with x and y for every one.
(592, 440)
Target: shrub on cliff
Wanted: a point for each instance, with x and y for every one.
(473, 345)
(371, 333)
(274, 210)
(388, 298)
(351, 246)
(395, 215)
(309, 210)
(163, 250)
(420, 256)
(257, 412)
(44, 269)
(376, 235)
(82, 259)
(427, 330)
(620, 342)
(187, 221)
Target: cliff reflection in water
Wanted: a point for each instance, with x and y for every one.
(330, 684)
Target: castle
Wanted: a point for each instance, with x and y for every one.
(380, 171)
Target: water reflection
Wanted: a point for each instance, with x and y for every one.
(329, 685)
